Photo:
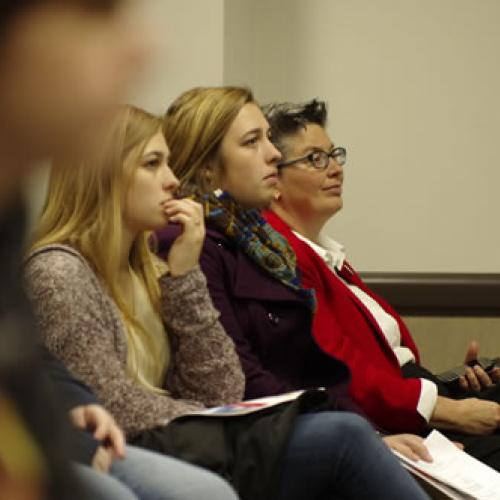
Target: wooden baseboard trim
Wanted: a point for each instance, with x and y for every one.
(438, 294)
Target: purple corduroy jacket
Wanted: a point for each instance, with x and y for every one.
(269, 323)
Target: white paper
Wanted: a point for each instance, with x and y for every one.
(457, 469)
(247, 407)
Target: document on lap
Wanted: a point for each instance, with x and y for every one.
(250, 406)
(454, 472)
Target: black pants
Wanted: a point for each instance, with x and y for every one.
(484, 448)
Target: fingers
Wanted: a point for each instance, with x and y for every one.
(417, 447)
(185, 252)
(463, 383)
(410, 446)
(77, 417)
(495, 374)
(117, 440)
(472, 380)
(483, 377)
(101, 421)
(101, 429)
(472, 352)
(180, 218)
(477, 377)
(102, 460)
(406, 451)
(188, 213)
(95, 417)
(186, 206)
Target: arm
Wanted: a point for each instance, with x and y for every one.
(73, 394)
(72, 391)
(259, 381)
(79, 323)
(206, 366)
(391, 401)
(387, 397)
(471, 415)
(95, 437)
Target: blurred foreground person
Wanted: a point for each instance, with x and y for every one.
(62, 66)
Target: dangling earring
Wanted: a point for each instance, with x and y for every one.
(208, 177)
(277, 196)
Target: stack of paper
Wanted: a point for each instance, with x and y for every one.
(454, 472)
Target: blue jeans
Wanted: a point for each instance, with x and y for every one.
(146, 475)
(335, 455)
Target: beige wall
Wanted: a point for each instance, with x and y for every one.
(240, 42)
(189, 36)
(443, 341)
(413, 93)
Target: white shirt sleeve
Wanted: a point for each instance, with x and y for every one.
(428, 399)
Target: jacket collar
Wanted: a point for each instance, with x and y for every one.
(251, 281)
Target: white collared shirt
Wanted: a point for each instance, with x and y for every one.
(333, 253)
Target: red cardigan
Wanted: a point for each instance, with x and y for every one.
(345, 328)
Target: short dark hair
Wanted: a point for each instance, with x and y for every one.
(286, 118)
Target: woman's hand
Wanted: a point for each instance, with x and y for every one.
(96, 419)
(476, 378)
(479, 417)
(103, 459)
(185, 252)
(409, 445)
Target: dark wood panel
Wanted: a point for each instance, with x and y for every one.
(433, 294)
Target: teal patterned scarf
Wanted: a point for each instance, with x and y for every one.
(251, 232)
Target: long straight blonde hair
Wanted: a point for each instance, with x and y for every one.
(83, 209)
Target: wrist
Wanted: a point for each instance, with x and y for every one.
(177, 272)
(446, 413)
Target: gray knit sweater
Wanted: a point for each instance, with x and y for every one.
(82, 326)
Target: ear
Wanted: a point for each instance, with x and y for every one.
(208, 176)
(212, 172)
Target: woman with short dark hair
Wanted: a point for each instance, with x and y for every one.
(351, 322)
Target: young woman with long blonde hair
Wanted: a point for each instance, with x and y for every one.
(140, 332)
(221, 150)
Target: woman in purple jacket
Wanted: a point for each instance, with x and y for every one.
(218, 139)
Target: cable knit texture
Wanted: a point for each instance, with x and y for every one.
(82, 326)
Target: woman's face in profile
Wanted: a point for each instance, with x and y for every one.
(307, 191)
(153, 184)
(247, 160)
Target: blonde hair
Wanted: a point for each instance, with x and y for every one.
(83, 209)
(195, 125)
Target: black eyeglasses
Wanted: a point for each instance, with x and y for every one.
(319, 159)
